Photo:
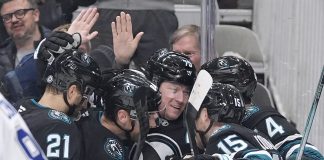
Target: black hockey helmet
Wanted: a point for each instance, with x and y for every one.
(235, 71)
(120, 90)
(170, 66)
(73, 67)
(224, 103)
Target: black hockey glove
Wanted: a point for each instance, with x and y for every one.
(57, 43)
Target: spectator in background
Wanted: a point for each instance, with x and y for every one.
(186, 40)
(155, 18)
(17, 67)
(3, 32)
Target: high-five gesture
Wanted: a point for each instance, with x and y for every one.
(124, 42)
(83, 24)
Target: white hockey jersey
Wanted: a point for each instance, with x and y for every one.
(15, 138)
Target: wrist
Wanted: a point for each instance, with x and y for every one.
(122, 61)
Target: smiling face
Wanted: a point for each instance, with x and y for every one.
(24, 28)
(174, 99)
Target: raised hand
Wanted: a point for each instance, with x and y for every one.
(124, 42)
(83, 24)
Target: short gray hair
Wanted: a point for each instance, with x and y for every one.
(185, 31)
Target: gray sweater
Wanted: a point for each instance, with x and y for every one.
(137, 4)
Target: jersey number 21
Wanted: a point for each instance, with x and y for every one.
(55, 146)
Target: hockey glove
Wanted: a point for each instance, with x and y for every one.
(57, 43)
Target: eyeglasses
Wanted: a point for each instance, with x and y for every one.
(19, 14)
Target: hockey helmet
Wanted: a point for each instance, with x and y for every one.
(120, 91)
(170, 66)
(73, 67)
(235, 71)
(224, 103)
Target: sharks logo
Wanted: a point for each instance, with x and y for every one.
(60, 116)
(129, 88)
(223, 63)
(114, 149)
(223, 128)
(249, 111)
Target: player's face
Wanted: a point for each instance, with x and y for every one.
(136, 131)
(174, 98)
(201, 125)
(200, 122)
(25, 25)
(189, 46)
(75, 98)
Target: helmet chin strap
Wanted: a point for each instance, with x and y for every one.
(126, 131)
(72, 107)
(203, 133)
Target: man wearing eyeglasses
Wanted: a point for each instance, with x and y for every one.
(18, 71)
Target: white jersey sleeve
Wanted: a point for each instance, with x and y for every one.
(15, 138)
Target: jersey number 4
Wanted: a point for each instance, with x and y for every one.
(273, 128)
(54, 147)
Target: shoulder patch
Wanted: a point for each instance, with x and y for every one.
(249, 111)
(114, 149)
(60, 116)
(221, 129)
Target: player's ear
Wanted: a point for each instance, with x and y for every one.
(72, 91)
(204, 114)
(123, 116)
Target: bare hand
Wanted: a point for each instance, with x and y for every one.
(124, 42)
(83, 24)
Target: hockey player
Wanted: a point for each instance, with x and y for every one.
(15, 137)
(109, 134)
(70, 78)
(175, 75)
(218, 130)
(265, 119)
